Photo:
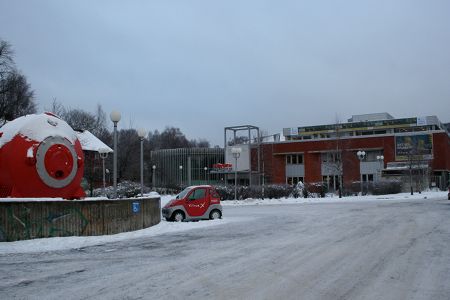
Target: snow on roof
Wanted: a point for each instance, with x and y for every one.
(40, 126)
(90, 142)
(37, 128)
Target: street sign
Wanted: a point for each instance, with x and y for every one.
(136, 207)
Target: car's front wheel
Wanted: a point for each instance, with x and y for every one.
(178, 216)
(215, 214)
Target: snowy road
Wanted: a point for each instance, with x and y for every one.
(396, 249)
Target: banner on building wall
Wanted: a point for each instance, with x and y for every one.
(419, 146)
(422, 121)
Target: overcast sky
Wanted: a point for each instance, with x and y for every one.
(204, 65)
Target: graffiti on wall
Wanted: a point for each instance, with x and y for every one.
(23, 223)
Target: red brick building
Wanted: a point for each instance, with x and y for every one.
(388, 147)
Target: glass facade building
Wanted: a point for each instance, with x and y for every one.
(186, 166)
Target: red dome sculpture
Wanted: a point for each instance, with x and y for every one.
(40, 156)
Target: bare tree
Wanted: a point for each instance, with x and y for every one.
(128, 155)
(6, 59)
(57, 108)
(80, 119)
(16, 96)
(335, 157)
(238, 141)
(418, 165)
(201, 143)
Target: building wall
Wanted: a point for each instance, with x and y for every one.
(275, 155)
(441, 151)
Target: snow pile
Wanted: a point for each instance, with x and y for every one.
(36, 128)
(335, 199)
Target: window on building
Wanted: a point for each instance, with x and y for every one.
(331, 182)
(367, 177)
(372, 155)
(330, 157)
(294, 159)
(380, 131)
(294, 180)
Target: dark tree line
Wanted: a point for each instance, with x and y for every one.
(16, 96)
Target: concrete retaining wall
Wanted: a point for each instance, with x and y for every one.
(30, 219)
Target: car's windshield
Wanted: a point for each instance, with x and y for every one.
(184, 193)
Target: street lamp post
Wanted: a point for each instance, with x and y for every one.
(181, 176)
(361, 155)
(236, 151)
(380, 158)
(103, 152)
(206, 174)
(115, 118)
(153, 177)
(142, 133)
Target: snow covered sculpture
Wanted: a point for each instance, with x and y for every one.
(40, 156)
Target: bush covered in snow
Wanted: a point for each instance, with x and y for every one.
(272, 191)
(384, 187)
(125, 189)
(314, 190)
(381, 187)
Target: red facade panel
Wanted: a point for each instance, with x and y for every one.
(441, 151)
(313, 170)
(351, 167)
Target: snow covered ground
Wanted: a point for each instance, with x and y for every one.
(391, 247)
(64, 243)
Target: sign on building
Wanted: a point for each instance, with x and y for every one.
(419, 146)
(422, 121)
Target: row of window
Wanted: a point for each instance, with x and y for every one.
(330, 157)
(294, 159)
(294, 180)
(342, 134)
(330, 181)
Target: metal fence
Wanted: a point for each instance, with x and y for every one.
(186, 166)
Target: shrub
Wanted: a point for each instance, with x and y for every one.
(277, 191)
(384, 187)
(226, 192)
(314, 190)
(125, 189)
